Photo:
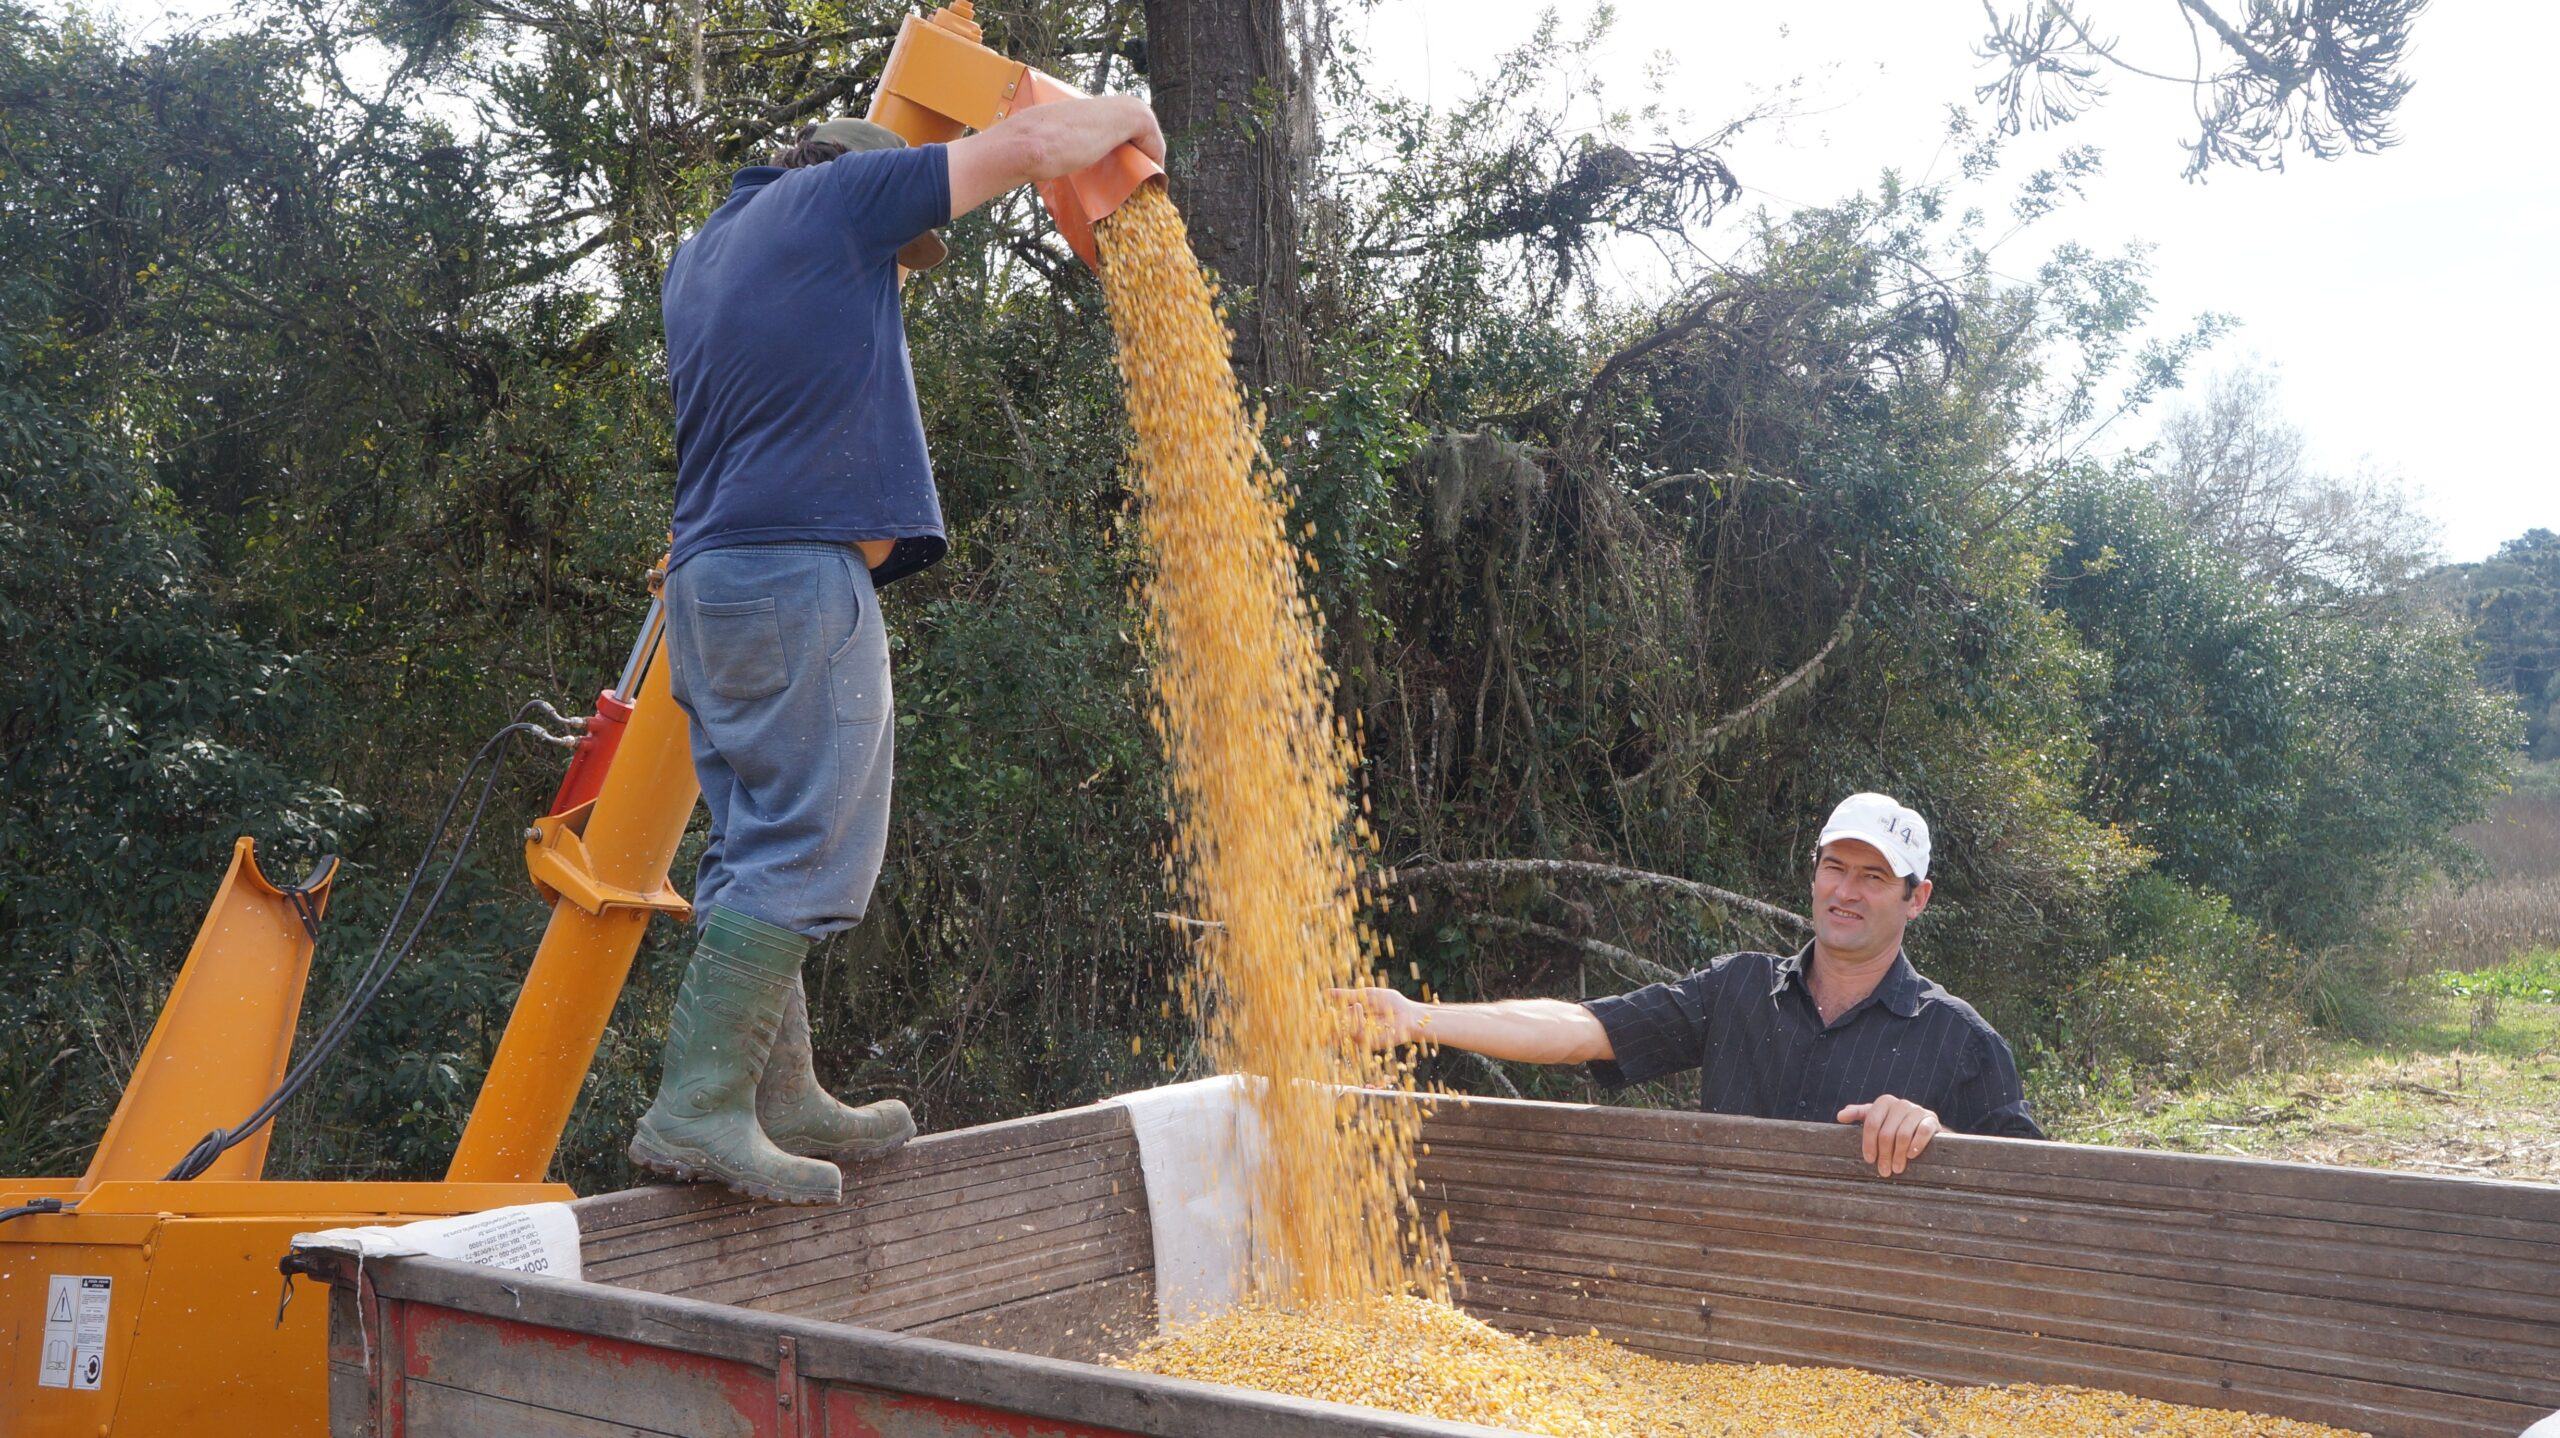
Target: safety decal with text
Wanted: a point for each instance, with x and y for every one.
(75, 1331)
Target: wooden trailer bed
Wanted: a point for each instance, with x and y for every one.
(967, 1282)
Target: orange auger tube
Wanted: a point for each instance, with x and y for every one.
(606, 865)
(226, 1033)
(940, 82)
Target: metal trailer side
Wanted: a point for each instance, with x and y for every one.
(967, 1280)
(430, 1348)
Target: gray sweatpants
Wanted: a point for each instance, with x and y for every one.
(780, 660)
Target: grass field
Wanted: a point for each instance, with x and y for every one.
(2466, 1082)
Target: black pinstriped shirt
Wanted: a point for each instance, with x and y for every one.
(1750, 1022)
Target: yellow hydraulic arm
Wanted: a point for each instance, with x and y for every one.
(603, 862)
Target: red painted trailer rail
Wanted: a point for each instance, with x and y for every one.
(431, 1348)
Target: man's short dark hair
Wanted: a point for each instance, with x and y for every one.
(803, 151)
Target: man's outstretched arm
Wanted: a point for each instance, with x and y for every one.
(1045, 142)
(1529, 1031)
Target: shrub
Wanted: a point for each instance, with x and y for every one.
(2189, 990)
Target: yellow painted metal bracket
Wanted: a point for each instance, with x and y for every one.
(555, 854)
(607, 860)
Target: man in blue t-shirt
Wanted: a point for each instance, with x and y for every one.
(802, 487)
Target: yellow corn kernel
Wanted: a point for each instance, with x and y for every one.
(1428, 1359)
(1266, 842)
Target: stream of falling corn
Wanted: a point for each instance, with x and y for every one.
(1265, 846)
(1431, 1360)
(1351, 1285)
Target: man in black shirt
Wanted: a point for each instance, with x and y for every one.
(1843, 1030)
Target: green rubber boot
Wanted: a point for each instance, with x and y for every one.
(728, 1012)
(802, 1118)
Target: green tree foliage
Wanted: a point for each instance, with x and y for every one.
(142, 729)
(2322, 76)
(336, 430)
(2306, 763)
(2513, 601)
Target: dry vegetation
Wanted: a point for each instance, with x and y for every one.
(2516, 907)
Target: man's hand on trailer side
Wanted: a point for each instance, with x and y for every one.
(1893, 1131)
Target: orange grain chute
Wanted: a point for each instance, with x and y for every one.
(941, 81)
(226, 1033)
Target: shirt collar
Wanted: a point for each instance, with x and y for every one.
(1899, 990)
(755, 177)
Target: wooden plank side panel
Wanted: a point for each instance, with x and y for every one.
(1986, 1352)
(888, 1253)
(717, 1222)
(2023, 1296)
(350, 1401)
(639, 1209)
(1031, 1235)
(2402, 1305)
(2076, 1233)
(1093, 1322)
(945, 1389)
(1746, 1332)
(2528, 1233)
(2141, 1177)
(862, 1412)
(916, 1311)
(727, 1219)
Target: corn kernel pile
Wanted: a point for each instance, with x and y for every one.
(1428, 1359)
(1264, 834)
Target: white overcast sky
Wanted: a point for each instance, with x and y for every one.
(2408, 299)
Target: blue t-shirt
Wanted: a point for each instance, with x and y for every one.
(795, 407)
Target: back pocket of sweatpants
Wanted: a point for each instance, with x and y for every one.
(740, 644)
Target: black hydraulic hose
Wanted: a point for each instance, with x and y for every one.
(386, 959)
(33, 1205)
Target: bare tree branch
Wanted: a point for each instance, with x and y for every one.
(2324, 75)
(1489, 1066)
(1461, 870)
(1801, 673)
(1626, 964)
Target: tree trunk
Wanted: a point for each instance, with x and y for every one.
(1223, 90)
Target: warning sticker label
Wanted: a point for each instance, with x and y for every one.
(75, 1331)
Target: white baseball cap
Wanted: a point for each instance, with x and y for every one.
(1901, 835)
